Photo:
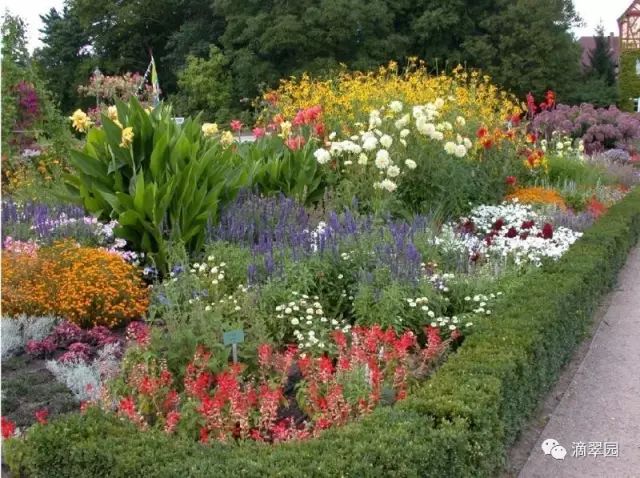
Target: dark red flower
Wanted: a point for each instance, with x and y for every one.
(527, 224)
(511, 232)
(547, 231)
(498, 224)
(511, 180)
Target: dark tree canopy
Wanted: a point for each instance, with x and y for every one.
(525, 45)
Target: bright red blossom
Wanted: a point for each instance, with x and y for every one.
(8, 428)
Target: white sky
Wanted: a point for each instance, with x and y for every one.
(592, 12)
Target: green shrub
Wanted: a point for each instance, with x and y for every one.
(457, 424)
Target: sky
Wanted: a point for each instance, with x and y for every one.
(592, 11)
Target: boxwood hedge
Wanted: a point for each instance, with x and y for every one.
(457, 424)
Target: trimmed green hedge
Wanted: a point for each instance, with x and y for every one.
(459, 424)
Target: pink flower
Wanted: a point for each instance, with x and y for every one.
(295, 143)
(172, 421)
(236, 125)
(41, 416)
(258, 132)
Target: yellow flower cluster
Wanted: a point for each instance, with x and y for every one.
(127, 137)
(209, 129)
(349, 96)
(80, 121)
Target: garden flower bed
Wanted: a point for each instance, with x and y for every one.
(377, 297)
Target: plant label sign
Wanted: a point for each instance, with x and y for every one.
(233, 337)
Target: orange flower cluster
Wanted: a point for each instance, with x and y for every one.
(488, 139)
(86, 286)
(538, 195)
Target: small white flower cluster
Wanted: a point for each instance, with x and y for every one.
(563, 146)
(230, 300)
(209, 270)
(478, 306)
(312, 326)
(420, 303)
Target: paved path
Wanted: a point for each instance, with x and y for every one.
(602, 403)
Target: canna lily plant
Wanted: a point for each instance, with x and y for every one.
(161, 181)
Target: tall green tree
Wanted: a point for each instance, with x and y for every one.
(205, 85)
(602, 64)
(526, 45)
(64, 59)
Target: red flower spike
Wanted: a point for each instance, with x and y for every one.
(8, 428)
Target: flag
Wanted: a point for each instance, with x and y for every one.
(155, 84)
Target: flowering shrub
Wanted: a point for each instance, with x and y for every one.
(85, 285)
(350, 96)
(116, 87)
(537, 195)
(599, 128)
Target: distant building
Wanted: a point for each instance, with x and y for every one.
(629, 24)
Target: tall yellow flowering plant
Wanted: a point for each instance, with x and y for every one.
(350, 96)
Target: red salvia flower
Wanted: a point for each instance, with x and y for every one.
(8, 428)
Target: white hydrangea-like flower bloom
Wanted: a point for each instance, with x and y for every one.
(363, 159)
(388, 185)
(382, 159)
(467, 143)
(404, 133)
(460, 151)
(393, 171)
(347, 146)
(369, 142)
(410, 163)
(439, 103)
(403, 122)
(322, 156)
(461, 121)
(438, 135)
(450, 147)
(396, 106)
(386, 141)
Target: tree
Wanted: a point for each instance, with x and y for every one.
(64, 58)
(526, 45)
(205, 85)
(602, 65)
